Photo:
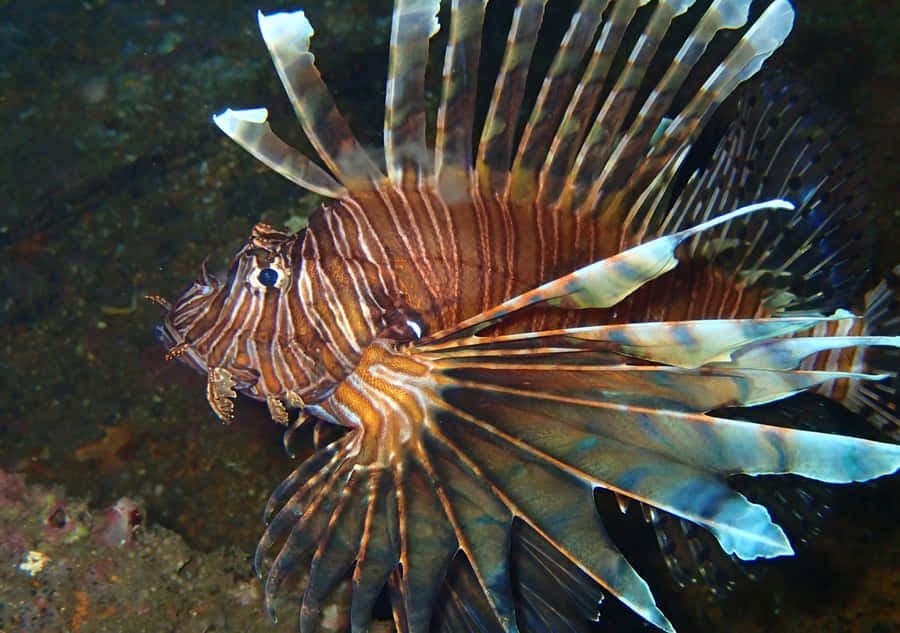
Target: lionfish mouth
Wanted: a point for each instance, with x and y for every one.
(165, 332)
(164, 336)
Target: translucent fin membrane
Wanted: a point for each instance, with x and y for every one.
(779, 146)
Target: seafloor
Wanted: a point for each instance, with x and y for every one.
(124, 504)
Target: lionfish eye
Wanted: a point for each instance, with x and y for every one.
(268, 277)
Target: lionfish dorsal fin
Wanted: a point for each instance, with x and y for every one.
(578, 116)
(606, 128)
(287, 37)
(414, 23)
(778, 146)
(456, 112)
(555, 92)
(651, 121)
(496, 143)
(250, 130)
(654, 168)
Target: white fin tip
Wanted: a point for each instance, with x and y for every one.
(285, 29)
(229, 120)
(776, 204)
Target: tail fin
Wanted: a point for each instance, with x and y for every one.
(880, 402)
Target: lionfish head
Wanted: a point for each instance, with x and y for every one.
(214, 325)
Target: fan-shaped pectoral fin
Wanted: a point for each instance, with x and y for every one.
(426, 506)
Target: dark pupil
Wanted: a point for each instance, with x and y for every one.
(268, 277)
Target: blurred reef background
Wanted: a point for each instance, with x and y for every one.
(124, 504)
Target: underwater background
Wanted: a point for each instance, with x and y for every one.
(125, 505)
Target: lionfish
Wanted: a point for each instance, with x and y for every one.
(518, 309)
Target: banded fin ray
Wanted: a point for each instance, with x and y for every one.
(606, 128)
(779, 147)
(424, 561)
(379, 550)
(495, 147)
(561, 510)
(337, 547)
(718, 444)
(287, 37)
(668, 388)
(677, 343)
(787, 353)
(742, 528)
(556, 90)
(456, 112)
(653, 119)
(577, 119)
(413, 24)
(251, 131)
(475, 510)
(654, 173)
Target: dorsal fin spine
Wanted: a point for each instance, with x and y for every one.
(576, 121)
(495, 147)
(456, 113)
(287, 37)
(414, 23)
(555, 93)
(762, 39)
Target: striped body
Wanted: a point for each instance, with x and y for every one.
(503, 330)
(363, 263)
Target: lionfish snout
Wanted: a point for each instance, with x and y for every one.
(210, 309)
(182, 315)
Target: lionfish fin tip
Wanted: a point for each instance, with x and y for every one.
(228, 120)
(285, 28)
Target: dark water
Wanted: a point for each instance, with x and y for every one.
(115, 184)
